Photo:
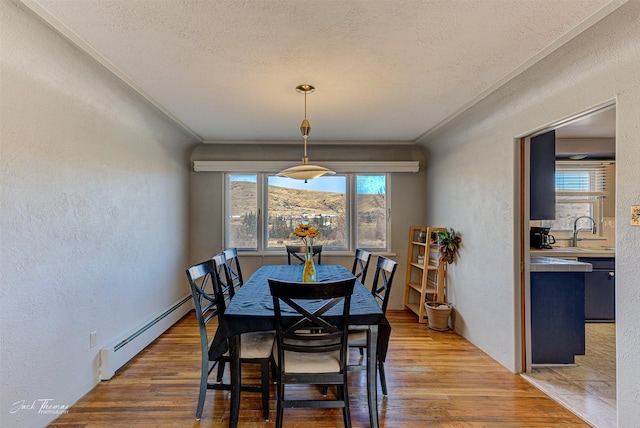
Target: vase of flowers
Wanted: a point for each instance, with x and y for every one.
(307, 233)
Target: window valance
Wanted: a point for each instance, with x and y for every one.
(337, 166)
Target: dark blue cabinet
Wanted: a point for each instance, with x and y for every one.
(600, 290)
(542, 181)
(557, 317)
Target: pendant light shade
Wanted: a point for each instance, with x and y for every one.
(305, 171)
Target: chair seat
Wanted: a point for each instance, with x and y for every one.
(256, 345)
(304, 362)
(298, 362)
(358, 338)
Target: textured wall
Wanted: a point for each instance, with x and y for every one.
(472, 186)
(94, 219)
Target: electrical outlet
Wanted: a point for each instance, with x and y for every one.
(93, 337)
(635, 215)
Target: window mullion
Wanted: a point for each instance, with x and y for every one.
(262, 212)
(352, 209)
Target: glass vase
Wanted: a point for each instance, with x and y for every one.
(309, 269)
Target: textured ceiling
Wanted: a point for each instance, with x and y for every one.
(383, 70)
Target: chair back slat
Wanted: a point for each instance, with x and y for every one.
(295, 253)
(361, 264)
(383, 280)
(309, 319)
(233, 269)
(223, 278)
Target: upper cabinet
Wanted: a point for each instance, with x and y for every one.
(542, 171)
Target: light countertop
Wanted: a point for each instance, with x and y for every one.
(573, 252)
(551, 264)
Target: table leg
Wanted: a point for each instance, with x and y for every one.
(234, 368)
(372, 374)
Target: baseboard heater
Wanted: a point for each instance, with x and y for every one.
(113, 357)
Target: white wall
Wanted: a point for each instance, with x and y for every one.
(481, 198)
(94, 217)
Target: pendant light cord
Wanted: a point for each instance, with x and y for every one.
(305, 133)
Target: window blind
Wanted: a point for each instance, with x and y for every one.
(585, 179)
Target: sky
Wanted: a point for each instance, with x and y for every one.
(336, 184)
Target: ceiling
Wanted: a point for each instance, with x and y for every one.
(388, 70)
(599, 124)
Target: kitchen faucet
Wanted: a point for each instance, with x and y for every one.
(574, 241)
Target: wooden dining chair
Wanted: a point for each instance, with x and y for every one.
(361, 264)
(295, 254)
(381, 290)
(255, 348)
(318, 358)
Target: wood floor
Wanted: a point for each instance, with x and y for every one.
(435, 379)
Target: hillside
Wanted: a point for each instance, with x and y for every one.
(293, 202)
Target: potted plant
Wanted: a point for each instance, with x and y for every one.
(438, 312)
(448, 246)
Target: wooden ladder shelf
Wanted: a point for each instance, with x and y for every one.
(425, 273)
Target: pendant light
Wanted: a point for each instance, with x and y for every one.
(305, 171)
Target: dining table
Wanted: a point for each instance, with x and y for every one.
(251, 310)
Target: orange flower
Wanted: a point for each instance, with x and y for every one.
(307, 233)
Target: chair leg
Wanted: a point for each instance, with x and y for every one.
(346, 413)
(203, 388)
(325, 390)
(383, 378)
(274, 369)
(361, 351)
(220, 371)
(265, 388)
(279, 408)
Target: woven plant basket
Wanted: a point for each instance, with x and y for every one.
(438, 315)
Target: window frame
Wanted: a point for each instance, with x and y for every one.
(262, 213)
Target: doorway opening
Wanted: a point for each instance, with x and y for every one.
(586, 387)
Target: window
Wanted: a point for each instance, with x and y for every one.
(349, 210)
(242, 211)
(321, 202)
(580, 189)
(371, 211)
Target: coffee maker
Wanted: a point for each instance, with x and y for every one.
(540, 238)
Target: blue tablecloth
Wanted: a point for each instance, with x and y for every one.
(251, 309)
